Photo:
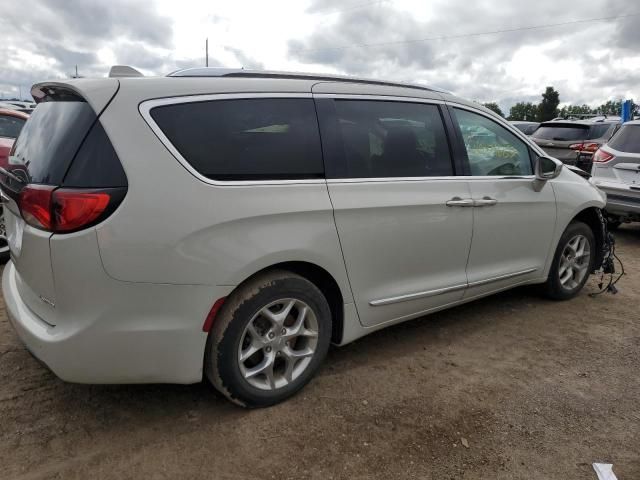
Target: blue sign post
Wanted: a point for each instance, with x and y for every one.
(625, 111)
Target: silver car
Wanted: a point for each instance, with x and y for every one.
(616, 171)
(234, 224)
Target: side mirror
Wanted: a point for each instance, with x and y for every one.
(545, 168)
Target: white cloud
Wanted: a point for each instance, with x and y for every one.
(586, 62)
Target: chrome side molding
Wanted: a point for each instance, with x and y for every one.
(415, 296)
(502, 277)
(442, 291)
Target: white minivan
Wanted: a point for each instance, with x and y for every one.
(232, 224)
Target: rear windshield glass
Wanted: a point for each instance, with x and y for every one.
(49, 140)
(562, 133)
(627, 139)
(246, 139)
(601, 131)
(525, 128)
(10, 126)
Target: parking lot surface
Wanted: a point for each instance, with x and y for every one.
(536, 389)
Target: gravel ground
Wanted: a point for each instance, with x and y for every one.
(536, 389)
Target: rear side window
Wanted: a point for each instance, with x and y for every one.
(562, 133)
(96, 164)
(10, 126)
(601, 131)
(391, 139)
(627, 139)
(50, 138)
(246, 139)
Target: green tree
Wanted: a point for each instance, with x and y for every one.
(494, 107)
(614, 107)
(548, 107)
(523, 111)
(575, 110)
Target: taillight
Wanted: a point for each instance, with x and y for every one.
(35, 205)
(585, 147)
(590, 147)
(601, 156)
(65, 210)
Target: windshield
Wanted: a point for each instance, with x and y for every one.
(562, 133)
(10, 126)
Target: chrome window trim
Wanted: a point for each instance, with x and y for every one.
(146, 106)
(442, 291)
(465, 178)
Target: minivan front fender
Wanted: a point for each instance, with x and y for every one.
(575, 198)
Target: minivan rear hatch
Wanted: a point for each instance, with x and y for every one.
(40, 161)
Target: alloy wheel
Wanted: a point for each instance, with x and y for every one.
(574, 262)
(278, 344)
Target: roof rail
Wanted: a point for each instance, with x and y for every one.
(230, 72)
(118, 71)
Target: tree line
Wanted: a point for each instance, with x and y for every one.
(547, 109)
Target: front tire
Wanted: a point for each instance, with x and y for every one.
(268, 340)
(572, 262)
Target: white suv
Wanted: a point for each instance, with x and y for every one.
(616, 171)
(237, 223)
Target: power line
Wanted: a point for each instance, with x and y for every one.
(468, 35)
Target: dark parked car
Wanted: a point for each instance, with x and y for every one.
(525, 127)
(574, 142)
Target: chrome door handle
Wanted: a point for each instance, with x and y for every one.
(460, 202)
(485, 202)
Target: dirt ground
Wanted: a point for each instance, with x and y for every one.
(538, 390)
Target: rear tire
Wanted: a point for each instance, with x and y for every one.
(572, 262)
(268, 340)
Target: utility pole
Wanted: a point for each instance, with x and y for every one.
(76, 75)
(206, 52)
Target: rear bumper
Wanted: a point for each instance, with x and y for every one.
(585, 161)
(147, 334)
(621, 201)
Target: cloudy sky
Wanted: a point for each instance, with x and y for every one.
(436, 42)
